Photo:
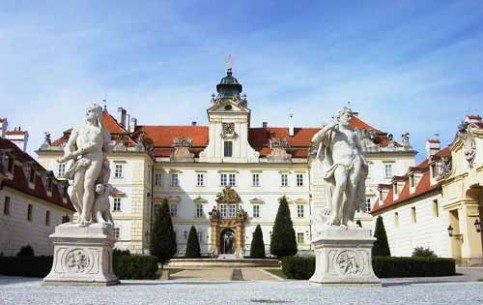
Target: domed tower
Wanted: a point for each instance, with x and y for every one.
(229, 121)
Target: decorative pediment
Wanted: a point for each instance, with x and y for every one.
(182, 150)
(200, 199)
(228, 195)
(173, 199)
(279, 148)
(301, 201)
(256, 201)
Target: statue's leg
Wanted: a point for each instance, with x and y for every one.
(76, 191)
(90, 178)
(340, 177)
(352, 203)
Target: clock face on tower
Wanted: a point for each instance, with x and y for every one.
(228, 128)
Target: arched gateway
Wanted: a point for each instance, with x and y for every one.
(228, 224)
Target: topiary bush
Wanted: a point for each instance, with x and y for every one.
(135, 267)
(30, 266)
(257, 248)
(283, 242)
(381, 246)
(423, 252)
(26, 251)
(163, 237)
(193, 249)
(302, 268)
(298, 267)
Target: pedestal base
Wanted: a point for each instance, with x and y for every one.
(343, 257)
(82, 256)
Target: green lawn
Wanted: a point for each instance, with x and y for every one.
(277, 272)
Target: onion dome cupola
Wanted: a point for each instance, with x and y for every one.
(229, 87)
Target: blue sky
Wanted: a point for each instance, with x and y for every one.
(410, 66)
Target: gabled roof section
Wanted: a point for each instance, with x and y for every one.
(19, 180)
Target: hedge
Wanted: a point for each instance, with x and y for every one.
(31, 266)
(302, 268)
(135, 267)
(125, 267)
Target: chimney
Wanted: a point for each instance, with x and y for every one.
(3, 127)
(473, 118)
(133, 125)
(291, 131)
(264, 124)
(121, 116)
(19, 137)
(432, 147)
(193, 123)
(128, 122)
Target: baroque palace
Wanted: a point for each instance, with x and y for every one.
(224, 178)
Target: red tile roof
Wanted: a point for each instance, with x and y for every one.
(162, 137)
(19, 180)
(16, 132)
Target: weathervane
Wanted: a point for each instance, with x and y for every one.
(229, 62)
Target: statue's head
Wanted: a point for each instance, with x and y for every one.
(94, 112)
(344, 115)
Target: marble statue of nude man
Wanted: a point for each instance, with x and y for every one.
(344, 168)
(85, 154)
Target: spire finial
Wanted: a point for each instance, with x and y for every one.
(229, 62)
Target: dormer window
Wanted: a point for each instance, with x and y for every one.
(228, 149)
(49, 184)
(412, 180)
(395, 188)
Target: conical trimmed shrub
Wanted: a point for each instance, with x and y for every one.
(381, 246)
(257, 249)
(283, 242)
(163, 238)
(193, 249)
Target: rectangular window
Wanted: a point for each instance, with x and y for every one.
(300, 238)
(388, 170)
(256, 180)
(31, 172)
(61, 170)
(47, 218)
(117, 204)
(368, 205)
(200, 179)
(157, 209)
(6, 207)
(158, 179)
(411, 180)
(65, 219)
(223, 179)
(117, 232)
(231, 210)
(118, 171)
(10, 164)
(284, 179)
(435, 208)
(199, 210)
(29, 212)
(413, 214)
(49, 184)
(300, 180)
(232, 179)
(256, 211)
(173, 209)
(174, 179)
(223, 210)
(300, 211)
(228, 149)
(396, 219)
(200, 237)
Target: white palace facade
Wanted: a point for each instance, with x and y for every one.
(228, 167)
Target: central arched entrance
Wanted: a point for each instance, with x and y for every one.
(227, 242)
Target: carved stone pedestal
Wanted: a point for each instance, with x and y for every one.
(344, 257)
(82, 256)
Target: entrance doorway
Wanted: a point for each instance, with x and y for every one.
(227, 241)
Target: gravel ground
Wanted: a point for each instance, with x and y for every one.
(23, 291)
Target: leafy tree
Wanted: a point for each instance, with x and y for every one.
(257, 249)
(381, 247)
(193, 247)
(163, 238)
(423, 252)
(283, 241)
(26, 251)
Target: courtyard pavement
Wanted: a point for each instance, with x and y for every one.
(459, 290)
